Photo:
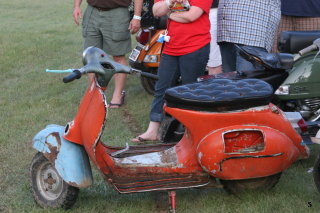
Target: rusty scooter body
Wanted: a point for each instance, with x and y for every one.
(233, 137)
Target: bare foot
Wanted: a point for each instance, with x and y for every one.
(150, 135)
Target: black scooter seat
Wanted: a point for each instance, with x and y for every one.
(217, 95)
(270, 61)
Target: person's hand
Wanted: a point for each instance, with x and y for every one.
(134, 25)
(77, 14)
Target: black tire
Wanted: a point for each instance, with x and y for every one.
(316, 172)
(148, 83)
(240, 186)
(47, 187)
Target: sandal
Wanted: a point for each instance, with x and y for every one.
(116, 106)
(141, 140)
(138, 140)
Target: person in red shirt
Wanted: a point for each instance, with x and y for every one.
(185, 53)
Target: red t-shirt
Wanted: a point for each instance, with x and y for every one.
(189, 37)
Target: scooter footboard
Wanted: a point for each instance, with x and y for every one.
(243, 152)
(69, 159)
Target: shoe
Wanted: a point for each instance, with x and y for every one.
(116, 106)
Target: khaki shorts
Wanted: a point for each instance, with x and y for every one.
(107, 30)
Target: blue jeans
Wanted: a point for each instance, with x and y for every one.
(189, 67)
(232, 61)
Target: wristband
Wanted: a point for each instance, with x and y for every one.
(136, 17)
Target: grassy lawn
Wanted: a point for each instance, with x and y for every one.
(38, 34)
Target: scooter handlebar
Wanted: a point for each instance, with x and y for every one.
(76, 74)
(145, 74)
(149, 75)
(308, 49)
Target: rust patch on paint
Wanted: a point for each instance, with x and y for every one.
(52, 156)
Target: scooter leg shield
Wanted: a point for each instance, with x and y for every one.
(69, 159)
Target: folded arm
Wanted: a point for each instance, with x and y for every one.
(161, 8)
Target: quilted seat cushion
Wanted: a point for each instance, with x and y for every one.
(220, 95)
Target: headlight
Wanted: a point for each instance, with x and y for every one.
(150, 59)
(283, 90)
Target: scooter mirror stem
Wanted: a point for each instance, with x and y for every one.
(314, 46)
(317, 43)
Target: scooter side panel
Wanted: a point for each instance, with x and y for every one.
(69, 159)
(201, 124)
(303, 79)
(278, 154)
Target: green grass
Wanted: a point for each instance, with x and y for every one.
(37, 34)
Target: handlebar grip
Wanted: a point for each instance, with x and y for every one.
(149, 75)
(308, 49)
(76, 74)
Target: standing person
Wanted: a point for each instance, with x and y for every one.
(298, 16)
(185, 53)
(245, 23)
(214, 63)
(106, 25)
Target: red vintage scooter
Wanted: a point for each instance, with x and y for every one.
(233, 137)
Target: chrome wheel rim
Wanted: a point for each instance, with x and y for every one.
(49, 183)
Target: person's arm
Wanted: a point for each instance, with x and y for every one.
(187, 16)
(135, 23)
(77, 13)
(160, 9)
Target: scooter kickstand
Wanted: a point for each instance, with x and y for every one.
(172, 201)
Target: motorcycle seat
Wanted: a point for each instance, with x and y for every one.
(217, 95)
(274, 78)
(270, 61)
(294, 41)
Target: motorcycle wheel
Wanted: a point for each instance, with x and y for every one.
(316, 172)
(148, 83)
(240, 186)
(47, 187)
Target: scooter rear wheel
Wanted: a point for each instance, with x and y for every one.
(47, 187)
(316, 172)
(240, 186)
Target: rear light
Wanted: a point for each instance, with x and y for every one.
(244, 141)
(303, 126)
(297, 122)
(143, 36)
(150, 59)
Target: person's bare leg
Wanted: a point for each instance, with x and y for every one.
(120, 81)
(214, 70)
(150, 135)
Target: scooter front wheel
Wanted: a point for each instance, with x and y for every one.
(47, 187)
(316, 172)
(240, 186)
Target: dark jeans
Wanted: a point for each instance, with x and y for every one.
(189, 67)
(232, 61)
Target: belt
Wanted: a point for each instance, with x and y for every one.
(101, 9)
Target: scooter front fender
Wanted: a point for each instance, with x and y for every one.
(69, 159)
